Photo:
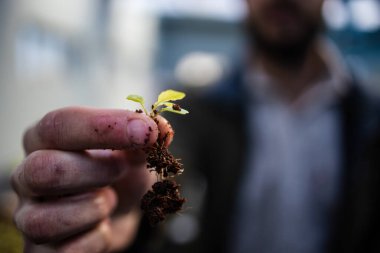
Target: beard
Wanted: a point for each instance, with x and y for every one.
(288, 49)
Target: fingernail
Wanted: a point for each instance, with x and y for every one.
(137, 130)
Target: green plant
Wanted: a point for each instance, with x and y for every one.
(163, 103)
(164, 197)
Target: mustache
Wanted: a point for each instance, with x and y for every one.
(290, 6)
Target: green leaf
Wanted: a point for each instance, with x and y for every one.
(170, 109)
(168, 104)
(136, 98)
(169, 95)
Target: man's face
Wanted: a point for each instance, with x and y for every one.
(284, 24)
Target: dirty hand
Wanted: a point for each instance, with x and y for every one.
(82, 179)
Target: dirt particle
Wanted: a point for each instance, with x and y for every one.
(139, 111)
(176, 107)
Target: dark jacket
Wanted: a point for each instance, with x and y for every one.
(211, 140)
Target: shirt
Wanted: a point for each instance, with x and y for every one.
(293, 171)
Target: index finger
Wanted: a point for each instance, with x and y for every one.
(79, 128)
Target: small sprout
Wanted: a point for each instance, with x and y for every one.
(164, 198)
(138, 99)
(163, 103)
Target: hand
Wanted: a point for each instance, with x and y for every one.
(82, 179)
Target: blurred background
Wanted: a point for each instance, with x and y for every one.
(56, 53)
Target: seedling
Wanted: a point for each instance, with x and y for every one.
(164, 198)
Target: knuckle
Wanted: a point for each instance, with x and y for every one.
(33, 225)
(15, 179)
(49, 129)
(101, 208)
(71, 249)
(104, 203)
(26, 140)
(42, 171)
(106, 235)
(97, 240)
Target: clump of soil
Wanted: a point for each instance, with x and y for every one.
(159, 159)
(164, 198)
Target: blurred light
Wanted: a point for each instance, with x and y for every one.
(335, 14)
(65, 16)
(38, 53)
(183, 229)
(219, 9)
(365, 14)
(200, 69)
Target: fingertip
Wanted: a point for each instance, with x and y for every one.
(158, 128)
(153, 130)
(165, 130)
(141, 130)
